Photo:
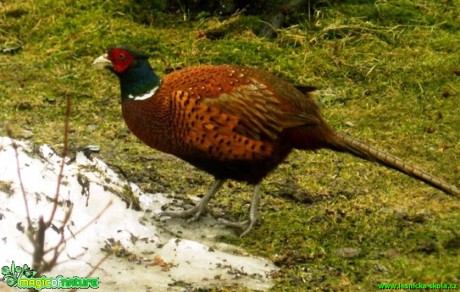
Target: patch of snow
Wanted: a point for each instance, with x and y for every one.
(155, 255)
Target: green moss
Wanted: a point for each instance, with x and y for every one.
(387, 73)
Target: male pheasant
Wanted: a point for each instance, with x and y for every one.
(232, 122)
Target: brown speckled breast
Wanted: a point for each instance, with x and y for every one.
(233, 122)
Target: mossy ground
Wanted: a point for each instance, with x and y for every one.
(387, 73)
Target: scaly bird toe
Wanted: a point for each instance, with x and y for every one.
(195, 212)
(247, 225)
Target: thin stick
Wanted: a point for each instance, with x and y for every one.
(83, 228)
(39, 244)
(94, 269)
(21, 183)
(64, 154)
(92, 220)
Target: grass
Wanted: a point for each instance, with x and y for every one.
(387, 72)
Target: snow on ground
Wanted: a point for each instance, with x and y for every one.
(152, 255)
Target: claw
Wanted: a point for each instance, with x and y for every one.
(196, 211)
(246, 225)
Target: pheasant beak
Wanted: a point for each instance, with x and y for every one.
(102, 62)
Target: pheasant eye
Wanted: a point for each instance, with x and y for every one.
(121, 56)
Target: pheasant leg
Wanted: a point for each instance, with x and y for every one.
(195, 212)
(247, 225)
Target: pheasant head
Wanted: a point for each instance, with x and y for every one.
(138, 81)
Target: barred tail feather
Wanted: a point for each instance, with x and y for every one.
(345, 143)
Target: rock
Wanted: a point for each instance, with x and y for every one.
(26, 134)
(348, 252)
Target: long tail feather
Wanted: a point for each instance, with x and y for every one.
(346, 143)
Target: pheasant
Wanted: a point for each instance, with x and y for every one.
(233, 122)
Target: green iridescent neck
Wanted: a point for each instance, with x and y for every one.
(138, 81)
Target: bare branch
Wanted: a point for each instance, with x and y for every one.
(64, 154)
(39, 243)
(21, 183)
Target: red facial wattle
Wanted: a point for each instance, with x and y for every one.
(121, 59)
